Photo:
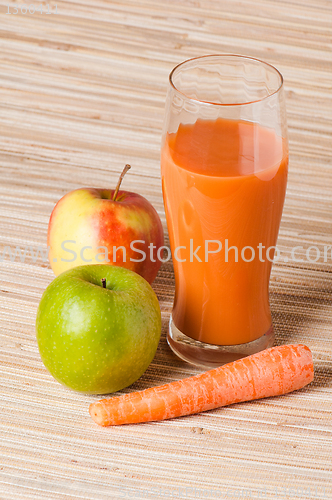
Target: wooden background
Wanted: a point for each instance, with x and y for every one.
(82, 93)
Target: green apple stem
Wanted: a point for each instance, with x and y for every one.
(103, 280)
(124, 171)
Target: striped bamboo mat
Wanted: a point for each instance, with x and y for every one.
(82, 92)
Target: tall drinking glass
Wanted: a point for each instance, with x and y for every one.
(224, 165)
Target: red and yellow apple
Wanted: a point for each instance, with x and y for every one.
(105, 226)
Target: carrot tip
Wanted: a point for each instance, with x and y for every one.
(95, 414)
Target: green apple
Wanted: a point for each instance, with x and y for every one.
(98, 328)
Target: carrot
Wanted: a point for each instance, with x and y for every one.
(272, 372)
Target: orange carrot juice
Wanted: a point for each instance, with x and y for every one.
(224, 184)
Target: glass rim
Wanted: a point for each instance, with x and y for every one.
(211, 56)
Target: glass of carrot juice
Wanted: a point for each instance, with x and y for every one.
(224, 164)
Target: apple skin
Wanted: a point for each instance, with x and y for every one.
(98, 340)
(90, 218)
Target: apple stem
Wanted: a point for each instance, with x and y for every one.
(103, 280)
(124, 171)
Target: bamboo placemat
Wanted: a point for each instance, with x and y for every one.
(82, 93)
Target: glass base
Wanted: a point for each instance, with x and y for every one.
(211, 356)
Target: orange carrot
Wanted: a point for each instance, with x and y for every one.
(272, 372)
